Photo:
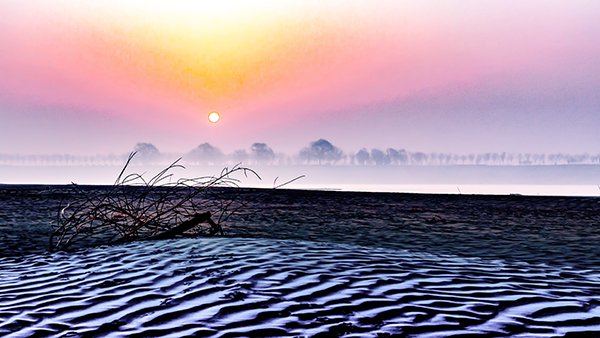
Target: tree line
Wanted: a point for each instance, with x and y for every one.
(320, 152)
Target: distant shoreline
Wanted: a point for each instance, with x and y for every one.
(550, 180)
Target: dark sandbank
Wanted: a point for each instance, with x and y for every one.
(553, 230)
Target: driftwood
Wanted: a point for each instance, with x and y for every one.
(135, 208)
(179, 229)
(138, 209)
(187, 225)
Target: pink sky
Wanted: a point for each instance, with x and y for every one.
(98, 76)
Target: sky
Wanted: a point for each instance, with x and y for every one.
(96, 77)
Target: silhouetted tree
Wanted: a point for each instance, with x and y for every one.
(380, 157)
(304, 156)
(397, 156)
(205, 153)
(321, 150)
(362, 157)
(261, 152)
(146, 152)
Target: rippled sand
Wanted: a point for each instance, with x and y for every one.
(232, 287)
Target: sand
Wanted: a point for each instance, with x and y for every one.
(236, 287)
(315, 264)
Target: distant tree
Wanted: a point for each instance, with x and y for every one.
(502, 157)
(362, 157)
(578, 158)
(494, 158)
(281, 159)
(403, 156)
(321, 150)
(352, 159)
(419, 158)
(520, 158)
(345, 159)
(261, 152)
(146, 152)
(304, 156)
(444, 159)
(433, 157)
(205, 154)
(394, 155)
(240, 155)
(397, 156)
(486, 158)
(478, 159)
(379, 157)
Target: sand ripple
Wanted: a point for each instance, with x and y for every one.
(233, 287)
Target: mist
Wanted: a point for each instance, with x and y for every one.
(325, 166)
(319, 152)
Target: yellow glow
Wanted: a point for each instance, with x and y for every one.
(204, 55)
(212, 52)
(214, 117)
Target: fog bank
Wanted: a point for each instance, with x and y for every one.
(580, 180)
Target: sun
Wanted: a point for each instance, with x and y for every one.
(214, 117)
